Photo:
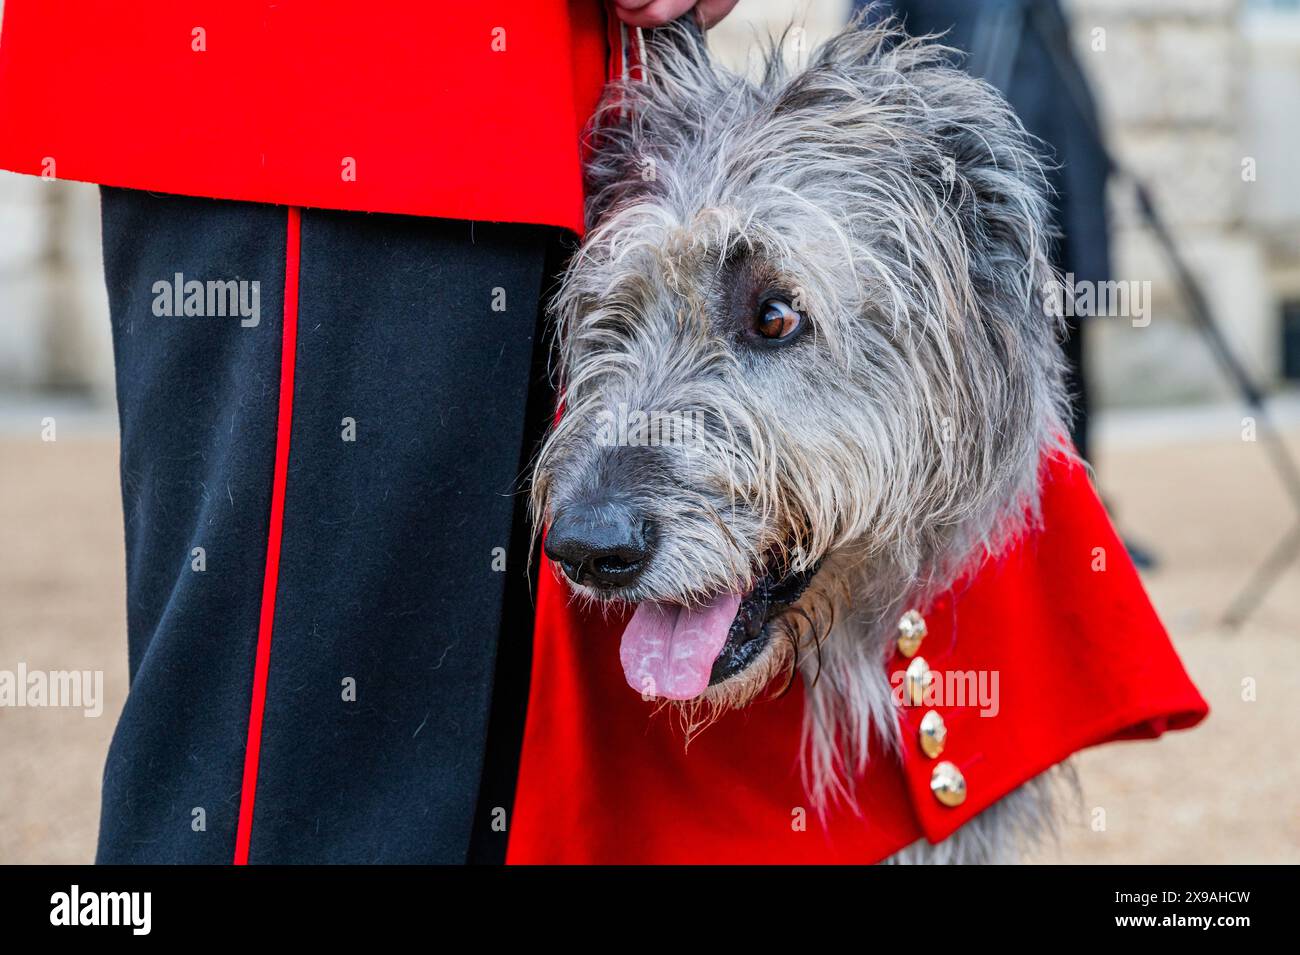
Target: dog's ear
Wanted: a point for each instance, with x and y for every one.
(942, 195)
(663, 97)
(893, 121)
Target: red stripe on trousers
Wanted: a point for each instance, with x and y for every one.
(284, 425)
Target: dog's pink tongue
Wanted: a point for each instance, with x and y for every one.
(668, 651)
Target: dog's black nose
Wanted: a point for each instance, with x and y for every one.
(603, 544)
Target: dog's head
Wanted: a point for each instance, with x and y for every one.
(806, 364)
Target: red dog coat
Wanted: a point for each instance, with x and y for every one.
(1060, 628)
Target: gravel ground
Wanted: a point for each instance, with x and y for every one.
(1225, 792)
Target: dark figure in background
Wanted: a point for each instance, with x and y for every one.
(1021, 47)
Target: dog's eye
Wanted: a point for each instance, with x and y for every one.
(777, 321)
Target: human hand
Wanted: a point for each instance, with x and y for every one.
(655, 13)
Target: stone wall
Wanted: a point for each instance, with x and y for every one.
(54, 331)
(1172, 79)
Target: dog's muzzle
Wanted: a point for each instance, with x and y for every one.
(668, 650)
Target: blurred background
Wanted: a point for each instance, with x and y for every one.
(1200, 98)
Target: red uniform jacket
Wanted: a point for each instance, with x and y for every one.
(1062, 620)
(457, 110)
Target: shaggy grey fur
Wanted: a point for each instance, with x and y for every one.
(898, 202)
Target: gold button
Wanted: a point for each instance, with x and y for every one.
(911, 631)
(933, 734)
(918, 680)
(948, 784)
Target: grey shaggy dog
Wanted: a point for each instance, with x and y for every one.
(832, 280)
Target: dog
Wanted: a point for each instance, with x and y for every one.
(831, 283)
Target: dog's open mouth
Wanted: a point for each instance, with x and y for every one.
(676, 652)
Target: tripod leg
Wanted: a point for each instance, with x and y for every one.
(1286, 551)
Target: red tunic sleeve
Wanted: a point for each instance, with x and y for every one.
(459, 110)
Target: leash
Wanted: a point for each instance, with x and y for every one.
(628, 61)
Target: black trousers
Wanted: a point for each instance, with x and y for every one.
(385, 588)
